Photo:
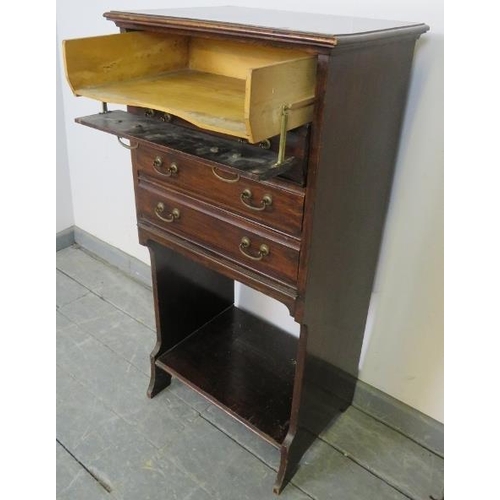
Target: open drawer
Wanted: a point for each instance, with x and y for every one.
(234, 88)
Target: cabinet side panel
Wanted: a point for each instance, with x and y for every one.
(269, 88)
(187, 294)
(363, 110)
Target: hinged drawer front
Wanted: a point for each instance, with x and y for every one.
(265, 202)
(246, 160)
(259, 250)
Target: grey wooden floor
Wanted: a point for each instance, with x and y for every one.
(114, 443)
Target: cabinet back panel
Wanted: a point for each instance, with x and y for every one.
(235, 59)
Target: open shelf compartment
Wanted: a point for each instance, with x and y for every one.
(242, 364)
(233, 88)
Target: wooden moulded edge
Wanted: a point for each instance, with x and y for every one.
(322, 42)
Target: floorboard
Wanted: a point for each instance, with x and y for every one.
(115, 444)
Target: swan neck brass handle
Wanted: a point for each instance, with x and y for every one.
(245, 245)
(173, 215)
(127, 146)
(167, 172)
(225, 179)
(246, 199)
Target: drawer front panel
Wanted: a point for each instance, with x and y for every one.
(255, 249)
(264, 202)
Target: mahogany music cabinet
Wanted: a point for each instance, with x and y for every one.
(263, 145)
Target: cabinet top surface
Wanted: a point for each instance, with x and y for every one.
(321, 28)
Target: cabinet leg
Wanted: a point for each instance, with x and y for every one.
(284, 472)
(159, 380)
(186, 296)
(290, 454)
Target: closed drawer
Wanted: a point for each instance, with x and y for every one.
(245, 243)
(272, 203)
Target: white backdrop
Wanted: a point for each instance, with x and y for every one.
(403, 348)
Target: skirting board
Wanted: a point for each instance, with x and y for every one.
(131, 266)
(395, 414)
(399, 416)
(65, 238)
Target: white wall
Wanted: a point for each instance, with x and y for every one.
(64, 202)
(403, 348)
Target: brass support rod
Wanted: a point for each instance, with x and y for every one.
(284, 124)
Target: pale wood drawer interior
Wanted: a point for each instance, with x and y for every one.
(229, 87)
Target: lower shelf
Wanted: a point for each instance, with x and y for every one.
(242, 364)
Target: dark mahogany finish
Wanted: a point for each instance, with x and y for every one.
(244, 159)
(319, 32)
(219, 231)
(323, 229)
(297, 144)
(244, 365)
(186, 296)
(224, 188)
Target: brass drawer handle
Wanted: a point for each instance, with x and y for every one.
(127, 146)
(160, 208)
(225, 179)
(245, 243)
(246, 198)
(167, 172)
